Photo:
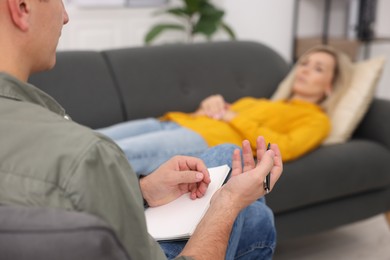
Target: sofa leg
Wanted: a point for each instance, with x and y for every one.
(387, 215)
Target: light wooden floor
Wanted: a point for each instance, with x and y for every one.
(367, 240)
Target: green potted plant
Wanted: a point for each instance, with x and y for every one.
(198, 17)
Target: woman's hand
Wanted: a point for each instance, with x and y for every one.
(214, 107)
(228, 116)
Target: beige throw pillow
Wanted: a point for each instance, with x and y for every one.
(352, 100)
(355, 101)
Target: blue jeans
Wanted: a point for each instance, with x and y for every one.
(149, 142)
(253, 234)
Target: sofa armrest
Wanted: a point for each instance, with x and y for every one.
(375, 125)
(48, 233)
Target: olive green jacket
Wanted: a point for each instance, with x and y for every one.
(49, 160)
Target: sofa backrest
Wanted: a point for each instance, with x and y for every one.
(154, 80)
(101, 88)
(81, 82)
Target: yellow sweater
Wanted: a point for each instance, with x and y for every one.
(296, 126)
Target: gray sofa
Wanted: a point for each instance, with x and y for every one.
(329, 187)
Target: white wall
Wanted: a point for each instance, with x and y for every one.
(382, 29)
(97, 28)
(113, 27)
(267, 21)
(102, 28)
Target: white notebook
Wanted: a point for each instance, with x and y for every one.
(179, 218)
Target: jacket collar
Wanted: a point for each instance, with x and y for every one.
(12, 88)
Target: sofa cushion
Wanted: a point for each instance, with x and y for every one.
(331, 173)
(48, 234)
(355, 102)
(81, 82)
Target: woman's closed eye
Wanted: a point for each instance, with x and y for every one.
(319, 69)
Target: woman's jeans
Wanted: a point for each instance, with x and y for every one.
(149, 142)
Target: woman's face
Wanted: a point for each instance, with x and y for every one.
(314, 76)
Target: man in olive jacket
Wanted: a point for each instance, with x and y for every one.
(48, 160)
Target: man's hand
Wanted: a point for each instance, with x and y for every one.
(179, 175)
(244, 187)
(247, 182)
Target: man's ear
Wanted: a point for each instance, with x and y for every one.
(19, 12)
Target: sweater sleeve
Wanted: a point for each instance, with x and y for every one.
(294, 143)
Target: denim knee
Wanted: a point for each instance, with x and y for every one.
(219, 155)
(258, 240)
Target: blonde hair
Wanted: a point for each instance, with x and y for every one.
(341, 80)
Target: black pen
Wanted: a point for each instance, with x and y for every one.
(267, 180)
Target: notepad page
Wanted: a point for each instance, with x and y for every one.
(179, 218)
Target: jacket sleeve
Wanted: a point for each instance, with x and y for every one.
(103, 184)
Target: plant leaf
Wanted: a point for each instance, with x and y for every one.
(202, 17)
(205, 26)
(208, 22)
(228, 30)
(158, 29)
(178, 12)
(193, 6)
(209, 12)
(208, 9)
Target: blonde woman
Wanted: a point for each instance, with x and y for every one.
(296, 118)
